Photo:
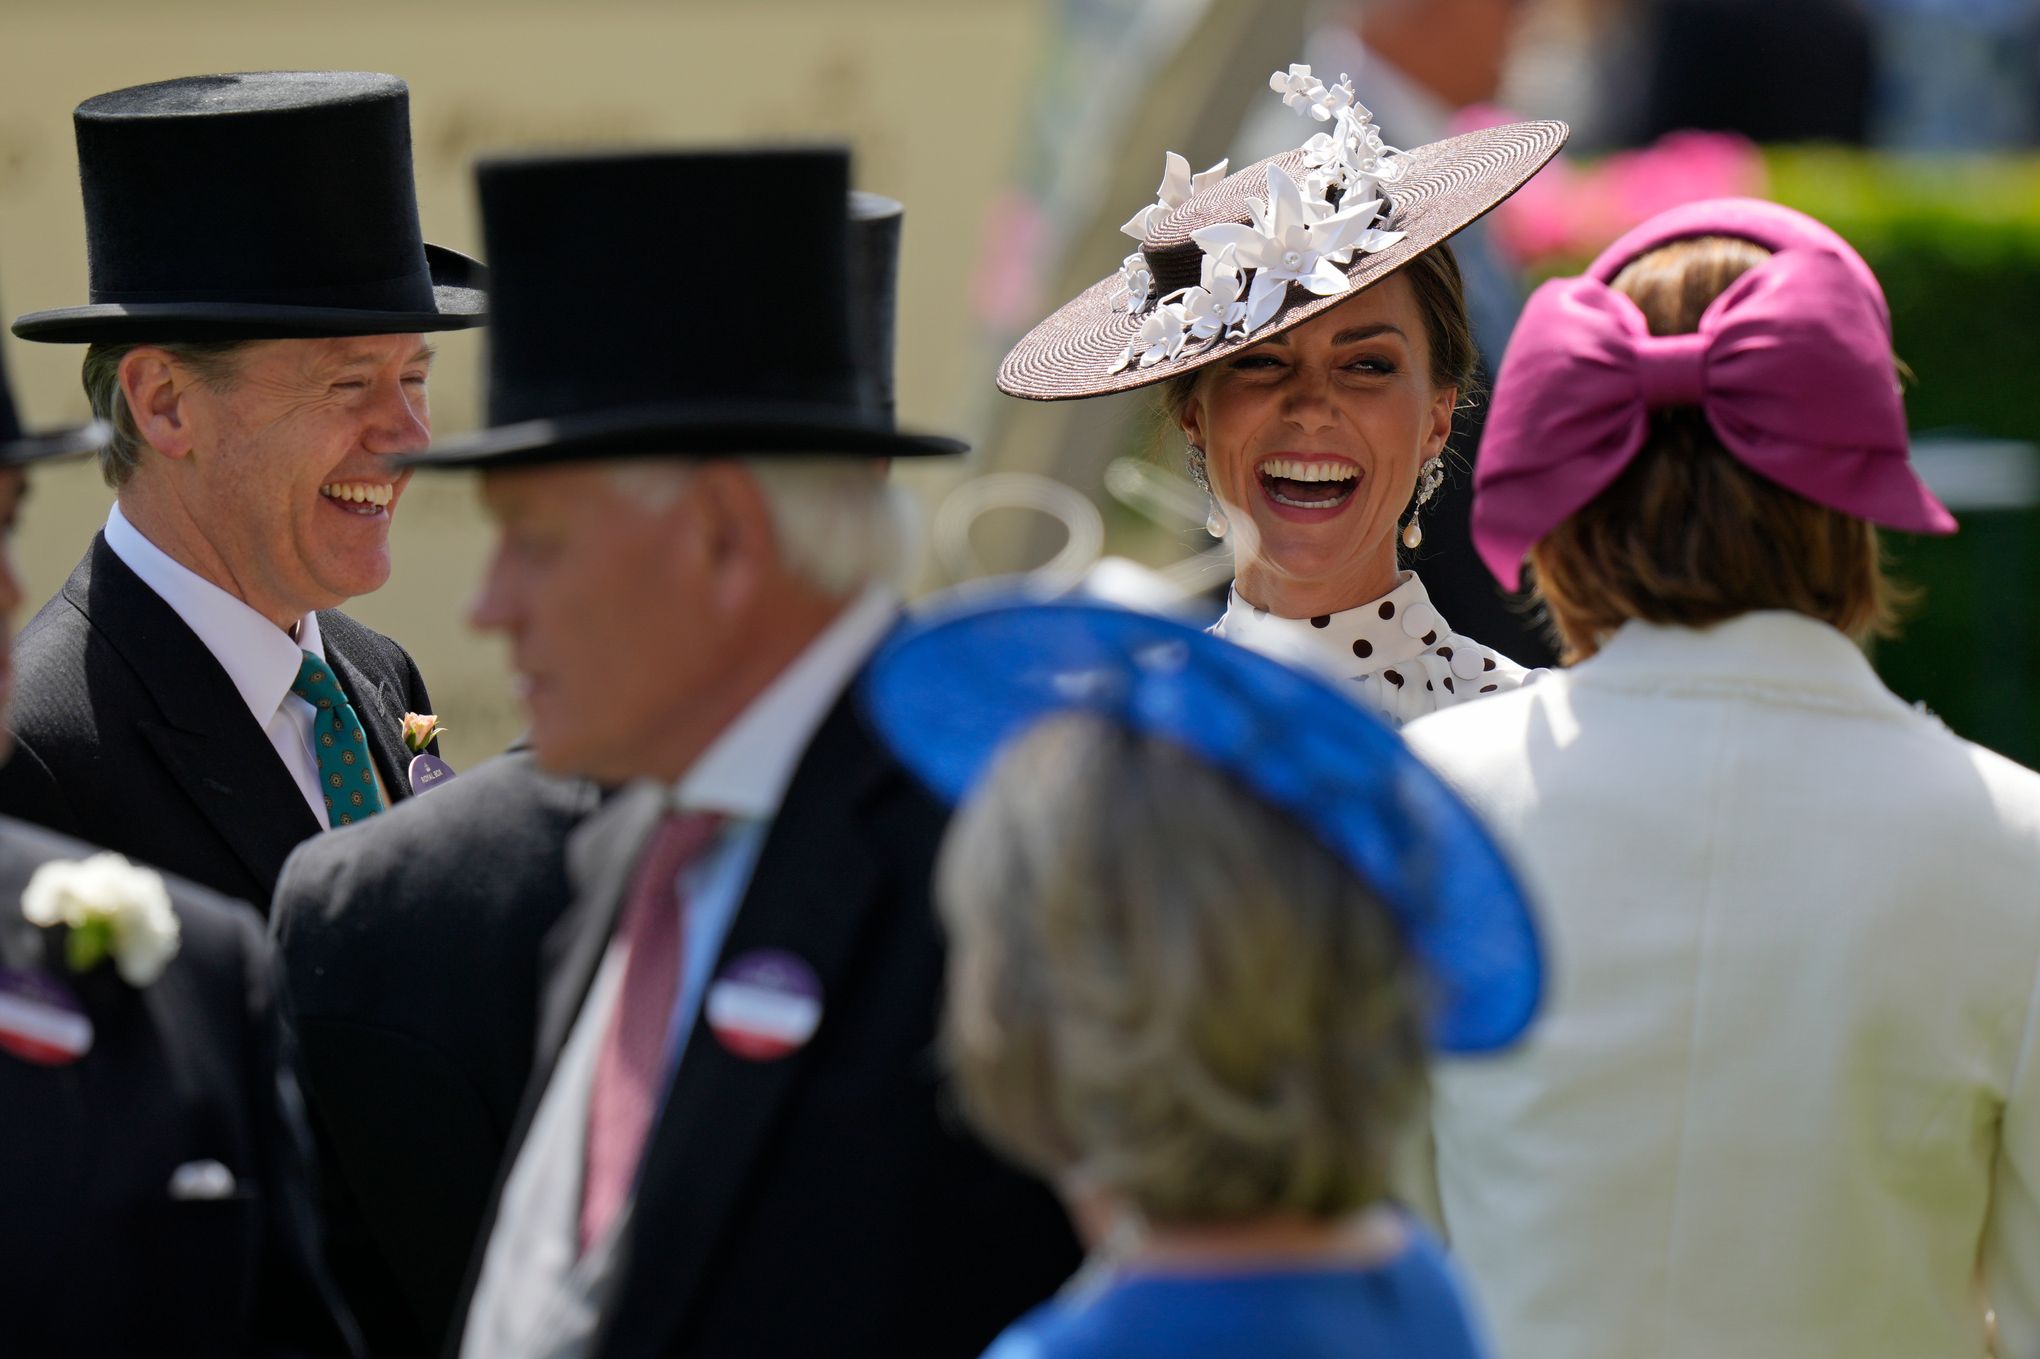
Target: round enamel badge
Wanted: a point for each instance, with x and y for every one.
(765, 1005)
(40, 1020)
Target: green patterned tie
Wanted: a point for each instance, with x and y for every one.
(345, 771)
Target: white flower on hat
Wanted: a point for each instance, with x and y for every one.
(112, 907)
(1352, 157)
(1305, 93)
(1136, 280)
(1214, 308)
(1291, 241)
(1305, 233)
(1178, 184)
(1298, 87)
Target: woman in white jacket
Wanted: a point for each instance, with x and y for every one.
(1781, 1101)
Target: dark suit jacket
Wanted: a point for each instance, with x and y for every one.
(829, 1202)
(130, 735)
(410, 948)
(96, 1257)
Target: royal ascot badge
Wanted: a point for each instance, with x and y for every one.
(427, 771)
(40, 1020)
(765, 1005)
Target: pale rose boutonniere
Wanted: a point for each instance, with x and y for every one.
(420, 731)
(427, 770)
(112, 908)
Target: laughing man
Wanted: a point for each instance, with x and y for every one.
(260, 301)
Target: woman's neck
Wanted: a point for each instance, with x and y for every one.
(1289, 596)
(1268, 1243)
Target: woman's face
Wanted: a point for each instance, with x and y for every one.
(1312, 440)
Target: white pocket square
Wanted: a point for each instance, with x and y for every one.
(201, 1180)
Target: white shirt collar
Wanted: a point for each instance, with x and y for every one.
(259, 657)
(745, 771)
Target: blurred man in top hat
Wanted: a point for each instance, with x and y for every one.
(413, 978)
(260, 300)
(151, 1156)
(735, 1140)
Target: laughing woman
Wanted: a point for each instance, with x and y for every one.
(1308, 319)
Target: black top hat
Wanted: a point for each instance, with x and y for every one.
(701, 303)
(272, 205)
(18, 446)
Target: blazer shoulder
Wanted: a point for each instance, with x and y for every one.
(505, 819)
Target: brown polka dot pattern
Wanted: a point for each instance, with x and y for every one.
(1448, 184)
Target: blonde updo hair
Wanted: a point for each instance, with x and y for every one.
(1163, 988)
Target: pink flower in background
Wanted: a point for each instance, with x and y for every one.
(1569, 211)
(1004, 289)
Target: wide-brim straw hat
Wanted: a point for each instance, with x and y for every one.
(1444, 187)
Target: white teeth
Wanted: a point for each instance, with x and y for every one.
(1295, 469)
(378, 493)
(1339, 499)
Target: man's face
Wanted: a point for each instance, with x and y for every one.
(618, 614)
(291, 479)
(13, 490)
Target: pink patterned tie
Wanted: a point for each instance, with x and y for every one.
(630, 1067)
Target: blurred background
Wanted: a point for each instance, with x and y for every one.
(1021, 133)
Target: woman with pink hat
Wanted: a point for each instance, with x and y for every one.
(1308, 325)
(1782, 1099)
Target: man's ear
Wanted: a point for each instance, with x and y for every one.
(734, 524)
(155, 390)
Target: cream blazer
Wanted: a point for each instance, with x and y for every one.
(1780, 1100)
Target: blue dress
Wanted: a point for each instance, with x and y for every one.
(1410, 1307)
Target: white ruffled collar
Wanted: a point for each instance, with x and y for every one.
(1398, 650)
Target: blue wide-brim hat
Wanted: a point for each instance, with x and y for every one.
(950, 692)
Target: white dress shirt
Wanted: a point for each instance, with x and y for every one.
(1780, 1100)
(260, 658)
(536, 1295)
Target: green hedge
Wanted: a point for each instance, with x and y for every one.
(1956, 244)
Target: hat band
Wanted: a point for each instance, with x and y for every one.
(406, 292)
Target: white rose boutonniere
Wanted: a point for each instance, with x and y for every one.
(112, 908)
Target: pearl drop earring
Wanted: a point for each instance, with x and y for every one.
(1429, 478)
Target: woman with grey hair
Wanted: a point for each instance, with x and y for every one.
(1206, 916)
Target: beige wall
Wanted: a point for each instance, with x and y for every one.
(930, 93)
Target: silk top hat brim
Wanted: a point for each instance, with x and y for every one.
(1448, 185)
(683, 430)
(459, 294)
(948, 694)
(257, 205)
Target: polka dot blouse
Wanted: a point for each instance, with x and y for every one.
(1398, 651)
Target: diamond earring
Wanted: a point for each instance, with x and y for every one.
(1429, 478)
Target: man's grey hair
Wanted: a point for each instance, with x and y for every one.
(839, 524)
(213, 362)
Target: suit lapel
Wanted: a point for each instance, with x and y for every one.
(373, 702)
(202, 730)
(601, 854)
(811, 895)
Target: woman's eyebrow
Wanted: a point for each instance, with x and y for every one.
(1358, 333)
